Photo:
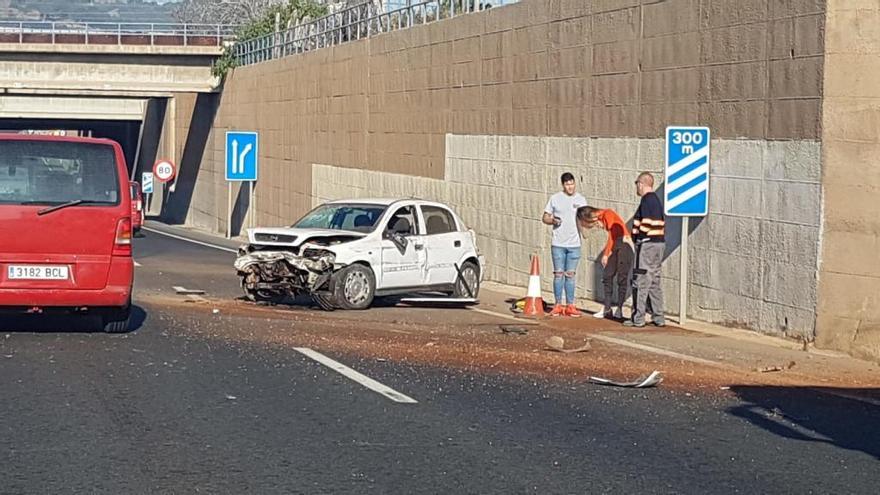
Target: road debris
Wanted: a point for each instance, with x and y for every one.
(651, 380)
(518, 306)
(184, 291)
(557, 344)
(771, 369)
(508, 329)
(231, 397)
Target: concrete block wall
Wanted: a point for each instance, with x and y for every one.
(849, 289)
(753, 261)
(616, 69)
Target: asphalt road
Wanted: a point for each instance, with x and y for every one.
(169, 409)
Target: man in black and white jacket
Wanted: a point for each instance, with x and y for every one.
(649, 234)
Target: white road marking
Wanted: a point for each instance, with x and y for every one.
(657, 350)
(137, 264)
(622, 342)
(183, 290)
(357, 377)
(200, 243)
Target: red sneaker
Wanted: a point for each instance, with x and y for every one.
(558, 310)
(572, 311)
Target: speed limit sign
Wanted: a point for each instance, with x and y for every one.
(164, 170)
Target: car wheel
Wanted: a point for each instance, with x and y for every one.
(327, 303)
(470, 273)
(117, 320)
(355, 287)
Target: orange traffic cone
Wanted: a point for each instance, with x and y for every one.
(534, 302)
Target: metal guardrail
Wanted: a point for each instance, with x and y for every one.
(355, 23)
(105, 33)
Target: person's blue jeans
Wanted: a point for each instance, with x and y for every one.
(565, 263)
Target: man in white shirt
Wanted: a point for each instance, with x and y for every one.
(561, 213)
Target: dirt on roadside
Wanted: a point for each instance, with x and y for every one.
(435, 337)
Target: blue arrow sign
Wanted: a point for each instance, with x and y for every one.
(241, 156)
(687, 171)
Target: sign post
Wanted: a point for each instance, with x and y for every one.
(687, 190)
(241, 166)
(164, 170)
(147, 189)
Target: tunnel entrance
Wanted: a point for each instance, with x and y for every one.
(125, 132)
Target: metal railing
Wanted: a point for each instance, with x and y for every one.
(355, 23)
(106, 33)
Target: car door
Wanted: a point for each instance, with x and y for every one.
(444, 243)
(403, 263)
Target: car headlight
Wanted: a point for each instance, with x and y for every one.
(316, 254)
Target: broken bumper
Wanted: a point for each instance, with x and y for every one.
(284, 271)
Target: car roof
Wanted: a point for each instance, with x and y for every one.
(43, 137)
(365, 201)
(385, 201)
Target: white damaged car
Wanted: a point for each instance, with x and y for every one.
(346, 253)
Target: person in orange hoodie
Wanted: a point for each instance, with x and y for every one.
(617, 257)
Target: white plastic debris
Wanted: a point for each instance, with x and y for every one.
(651, 380)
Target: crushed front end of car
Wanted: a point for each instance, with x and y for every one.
(272, 273)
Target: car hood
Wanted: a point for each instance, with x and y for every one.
(289, 236)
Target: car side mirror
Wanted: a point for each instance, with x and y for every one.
(400, 241)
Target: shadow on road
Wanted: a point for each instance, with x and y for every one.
(814, 414)
(65, 323)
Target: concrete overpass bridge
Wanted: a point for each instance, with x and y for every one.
(107, 80)
(100, 58)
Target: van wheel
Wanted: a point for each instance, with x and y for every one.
(117, 320)
(355, 287)
(471, 274)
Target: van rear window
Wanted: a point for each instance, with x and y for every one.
(56, 172)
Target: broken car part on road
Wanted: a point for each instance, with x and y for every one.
(651, 380)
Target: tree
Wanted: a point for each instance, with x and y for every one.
(257, 18)
(223, 11)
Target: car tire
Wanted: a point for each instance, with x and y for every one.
(355, 287)
(471, 273)
(117, 320)
(327, 303)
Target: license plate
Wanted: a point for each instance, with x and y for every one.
(36, 272)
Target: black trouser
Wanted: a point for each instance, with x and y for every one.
(619, 265)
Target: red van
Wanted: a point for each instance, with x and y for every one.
(65, 228)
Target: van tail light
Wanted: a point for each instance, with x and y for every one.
(122, 243)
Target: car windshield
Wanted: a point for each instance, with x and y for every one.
(354, 217)
(57, 172)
